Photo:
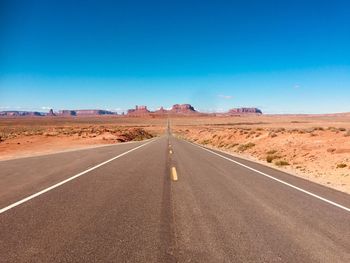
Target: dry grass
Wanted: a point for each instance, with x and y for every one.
(281, 163)
(308, 146)
(244, 147)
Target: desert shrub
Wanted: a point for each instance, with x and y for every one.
(271, 152)
(341, 165)
(331, 128)
(206, 142)
(342, 129)
(280, 130)
(233, 145)
(222, 144)
(244, 147)
(272, 135)
(51, 133)
(281, 163)
(331, 150)
(309, 130)
(318, 129)
(271, 157)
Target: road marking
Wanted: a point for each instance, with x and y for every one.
(69, 179)
(174, 174)
(275, 179)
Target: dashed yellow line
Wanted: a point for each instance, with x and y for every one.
(174, 174)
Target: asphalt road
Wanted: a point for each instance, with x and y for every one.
(123, 206)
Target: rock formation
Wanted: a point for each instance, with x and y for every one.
(138, 111)
(177, 109)
(21, 113)
(67, 113)
(85, 112)
(51, 113)
(183, 109)
(244, 111)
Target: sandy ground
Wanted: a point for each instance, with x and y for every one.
(317, 149)
(22, 137)
(314, 147)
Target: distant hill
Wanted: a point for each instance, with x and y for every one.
(21, 113)
(245, 110)
(138, 111)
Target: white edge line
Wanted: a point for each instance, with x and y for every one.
(273, 178)
(26, 199)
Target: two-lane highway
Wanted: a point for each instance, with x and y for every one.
(119, 204)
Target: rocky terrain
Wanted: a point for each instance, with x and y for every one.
(320, 154)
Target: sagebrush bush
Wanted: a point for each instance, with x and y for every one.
(244, 147)
(281, 163)
(271, 152)
(271, 157)
(341, 165)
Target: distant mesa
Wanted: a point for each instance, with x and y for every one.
(245, 111)
(67, 113)
(21, 113)
(138, 111)
(183, 109)
(59, 113)
(177, 109)
(84, 112)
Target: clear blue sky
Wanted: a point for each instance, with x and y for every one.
(281, 56)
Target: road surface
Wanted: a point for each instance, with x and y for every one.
(122, 204)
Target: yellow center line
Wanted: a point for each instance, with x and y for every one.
(173, 174)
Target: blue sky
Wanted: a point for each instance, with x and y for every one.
(281, 56)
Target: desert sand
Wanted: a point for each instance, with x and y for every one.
(315, 147)
(23, 136)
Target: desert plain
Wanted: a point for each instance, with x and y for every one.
(314, 147)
